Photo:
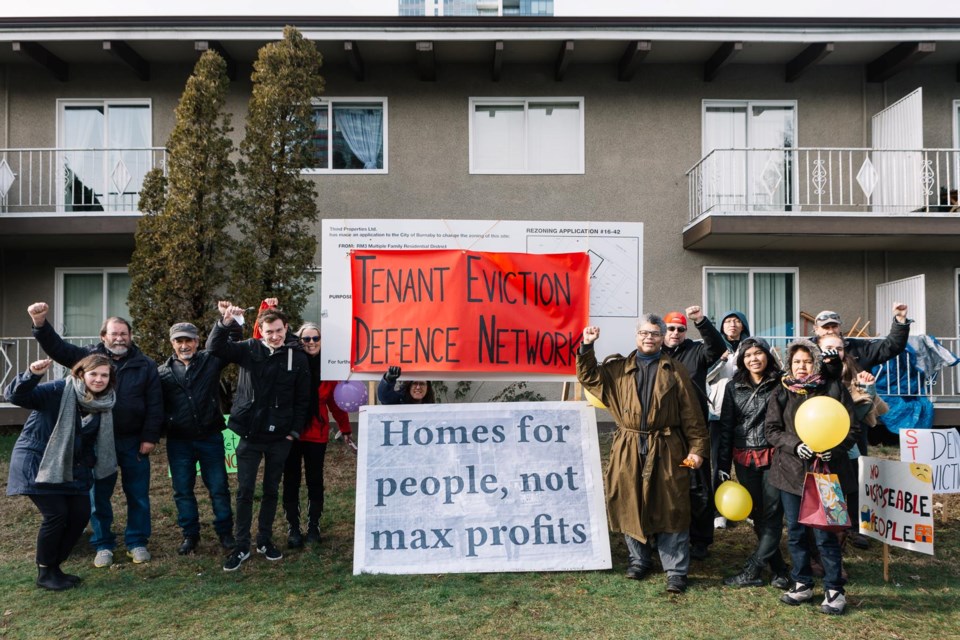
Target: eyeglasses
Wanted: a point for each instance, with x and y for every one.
(310, 338)
(829, 316)
(649, 334)
(418, 384)
(680, 329)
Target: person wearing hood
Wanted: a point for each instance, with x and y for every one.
(733, 328)
(811, 374)
(742, 441)
(697, 356)
(269, 412)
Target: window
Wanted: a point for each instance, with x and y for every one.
(526, 136)
(956, 144)
(350, 135)
(768, 297)
(311, 311)
(748, 168)
(105, 153)
(85, 297)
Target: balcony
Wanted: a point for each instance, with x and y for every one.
(50, 196)
(825, 199)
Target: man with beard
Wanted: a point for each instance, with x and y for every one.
(137, 418)
(190, 379)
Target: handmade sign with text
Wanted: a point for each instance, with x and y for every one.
(940, 448)
(896, 503)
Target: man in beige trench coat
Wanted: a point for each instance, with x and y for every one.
(660, 428)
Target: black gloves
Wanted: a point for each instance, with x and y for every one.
(392, 375)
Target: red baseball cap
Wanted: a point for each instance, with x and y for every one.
(675, 317)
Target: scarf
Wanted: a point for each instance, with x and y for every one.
(56, 467)
(803, 385)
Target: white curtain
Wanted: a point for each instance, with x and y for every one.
(362, 129)
(82, 132)
(118, 291)
(773, 311)
(724, 173)
(770, 127)
(553, 137)
(82, 304)
(497, 144)
(727, 291)
(128, 135)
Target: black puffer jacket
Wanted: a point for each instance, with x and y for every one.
(139, 408)
(742, 417)
(274, 402)
(192, 406)
(698, 357)
(868, 353)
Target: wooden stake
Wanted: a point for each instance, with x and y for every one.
(565, 391)
(886, 562)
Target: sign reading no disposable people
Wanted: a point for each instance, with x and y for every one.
(896, 503)
(473, 488)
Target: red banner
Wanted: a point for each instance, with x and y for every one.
(453, 310)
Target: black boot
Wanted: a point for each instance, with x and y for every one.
(294, 538)
(749, 577)
(313, 533)
(314, 511)
(49, 578)
(72, 579)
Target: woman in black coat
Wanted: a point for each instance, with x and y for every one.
(412, 392)
(65, 443)
(810, 375)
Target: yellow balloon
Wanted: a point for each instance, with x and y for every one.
(733, 501)
(822, 423)
(593, 400)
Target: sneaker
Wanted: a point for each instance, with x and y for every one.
(638, 572)
(104, 558)
(228, 542)
(781, 581)
(676, 584)
(798, 594)
(139, 555)
(235, 559)
(294, 540)
(719, 522)
(699, 551)
(749, 577)
(833, 603)
(313, 535)
(188, 545)
(269, 551)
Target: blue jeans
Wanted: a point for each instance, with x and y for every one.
(135, 480)
(183, 456)
(800, 551)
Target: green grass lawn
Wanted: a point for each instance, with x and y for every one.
(313, 594)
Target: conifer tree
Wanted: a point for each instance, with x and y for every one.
(278, 210)
(178, 267)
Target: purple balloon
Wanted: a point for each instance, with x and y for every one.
(349, 395)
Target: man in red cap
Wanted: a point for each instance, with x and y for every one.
(697, 356)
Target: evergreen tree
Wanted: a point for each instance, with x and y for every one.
(278, 210)
(178, 265)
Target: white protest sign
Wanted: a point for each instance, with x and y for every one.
(940, 448)
(472, 488)
(896, 503)
(616, 271)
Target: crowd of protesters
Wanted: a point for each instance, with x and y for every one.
(688, 413)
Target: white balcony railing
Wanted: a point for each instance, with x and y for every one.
(824, 180)
(16, 354)
(98, 181)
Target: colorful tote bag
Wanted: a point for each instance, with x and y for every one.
(822, 505)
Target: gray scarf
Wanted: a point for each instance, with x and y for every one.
(56, 467)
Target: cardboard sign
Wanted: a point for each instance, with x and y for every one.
(467, 311)
(940, 448)
(479, 488)
(896, 503)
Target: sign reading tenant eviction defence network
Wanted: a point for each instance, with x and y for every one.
(479, 488)
(450, 310)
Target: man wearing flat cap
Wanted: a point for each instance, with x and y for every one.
(190, 380)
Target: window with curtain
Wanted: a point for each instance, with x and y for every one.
(86, 297)
(311, 311)
(749, 168)
(350, 135)
(768, 297)
(527, 136)
(106, 153)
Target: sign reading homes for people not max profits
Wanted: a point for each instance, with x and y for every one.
(451, 310)
(939, 448)
(479, 488)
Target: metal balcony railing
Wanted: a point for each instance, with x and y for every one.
(81, 181)
(806, 180)
(16, 354)
(939, 386)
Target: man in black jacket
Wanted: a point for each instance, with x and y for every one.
(190, 380)
(868, 353)
(137, 418)
(697, 357)
(269, 410)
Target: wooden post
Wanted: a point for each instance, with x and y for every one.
(886, 562)
(565, 392)
(372, 391)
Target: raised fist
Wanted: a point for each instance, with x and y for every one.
(38, 313)
(695, 313)
(590, 334)
(393, 374)
(39, 367)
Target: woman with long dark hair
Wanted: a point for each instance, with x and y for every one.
(743, 442)
(66, 442)
(391, 391)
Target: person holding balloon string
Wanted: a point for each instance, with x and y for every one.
(410, 392)
(308, 452)
(742, 441)
(800, 435)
